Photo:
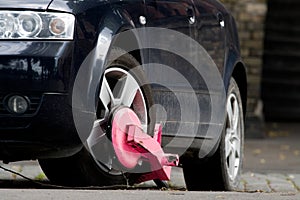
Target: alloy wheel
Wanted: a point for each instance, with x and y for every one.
(233, 137)
(119, 88)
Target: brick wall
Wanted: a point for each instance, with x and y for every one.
(250, 17)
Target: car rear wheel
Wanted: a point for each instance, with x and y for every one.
(222, 171)
(96, 164)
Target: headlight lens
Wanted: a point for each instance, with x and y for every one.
(30, 24)
(57, 26)
(8, 25)
(36, 25)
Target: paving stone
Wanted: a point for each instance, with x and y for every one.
(280, 183)
(31, 171)
(177, 178)
(242, 186)
(282, 187)
(278, 176)
(258, 187)
(256, 182)
(5, 175)
(296, 180)
(147, 184)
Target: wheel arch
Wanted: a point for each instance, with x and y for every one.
(134, 49)
(117, 21)
(240, 75)
(87, 78)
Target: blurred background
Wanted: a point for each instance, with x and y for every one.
(269, 32)
(270, 46)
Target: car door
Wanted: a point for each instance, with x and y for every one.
(172, 14)
(211, 29)
(168, 69)
(172, 18)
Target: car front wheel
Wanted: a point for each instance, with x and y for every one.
(96, 164)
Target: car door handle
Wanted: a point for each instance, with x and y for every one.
(191, 15)
(220, 18)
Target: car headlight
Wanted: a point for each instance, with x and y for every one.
(36, 25)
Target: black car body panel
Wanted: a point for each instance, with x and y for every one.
(35, 66)
(47, 69)
(21, 5)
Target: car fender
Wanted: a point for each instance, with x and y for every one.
(233, 56)
(86, 84)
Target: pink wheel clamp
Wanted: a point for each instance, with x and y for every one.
(132, 144)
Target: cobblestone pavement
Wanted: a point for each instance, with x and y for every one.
(255, 182)
(271, 165)
(251, 182)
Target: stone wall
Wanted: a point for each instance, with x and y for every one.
(250, 17)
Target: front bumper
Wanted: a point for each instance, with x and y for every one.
(41, 71)
(50, 132)
(27, 66)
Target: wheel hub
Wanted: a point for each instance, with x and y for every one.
(123, 117)
(131, 144)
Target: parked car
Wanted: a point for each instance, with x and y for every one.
(64, 68)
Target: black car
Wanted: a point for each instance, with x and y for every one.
(67, 67)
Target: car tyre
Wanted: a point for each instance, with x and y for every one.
(84, 168)
(222, 171)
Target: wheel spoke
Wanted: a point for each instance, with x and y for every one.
(230, 113)
(118, 88)
(96, 135)
(106, 95)
(227, 144)
(237, 147)
(236, 164)
(236, 114)
(99, 145)
(129, 91)
(232, 161)
(233, 147)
